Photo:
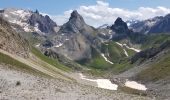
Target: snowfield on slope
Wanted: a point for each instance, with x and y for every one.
(135, 85)
(102, 83)
(106, 59)
(125, 45)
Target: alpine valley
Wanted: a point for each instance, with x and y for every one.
(41, 60)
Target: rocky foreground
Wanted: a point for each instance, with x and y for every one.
(23, 85)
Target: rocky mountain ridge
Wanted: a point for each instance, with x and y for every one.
(29, 21)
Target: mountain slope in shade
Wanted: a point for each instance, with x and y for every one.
(154, 25)
(163, 26)
(120, 27)
(42, 23)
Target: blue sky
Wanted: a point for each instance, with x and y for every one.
(95, 12)
(59, 6)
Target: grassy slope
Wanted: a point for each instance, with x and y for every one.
(157, 70)
(99, 66)
(50, 61)
(98, 61)
(8, 60)
(130, 52)
(121, 62)
(118, 56)
(115, 51)
(5, 59)
(155, 40)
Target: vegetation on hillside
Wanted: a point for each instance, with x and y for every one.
(50, 61)
(5, 59)
(155, 40)
(156, 71)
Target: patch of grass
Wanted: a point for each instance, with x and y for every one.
(50, 61)
(96, 72)
(122, 66)
(116, 52)
(32, 37)
(156, 71)
(8, 60)
(99, 66)
(98, 61)
(130, 52)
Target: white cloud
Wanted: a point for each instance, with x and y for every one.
(101, 13)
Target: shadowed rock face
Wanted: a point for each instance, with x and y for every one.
(163, 26)
(145, 26)
(120, 27)
(45, 24)
(12, 42)
(152, 52)
(154, 25)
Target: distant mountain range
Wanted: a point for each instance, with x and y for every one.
(151, 26)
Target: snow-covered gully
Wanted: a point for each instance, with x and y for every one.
(125, 52)
(125, 45)
(106, 59)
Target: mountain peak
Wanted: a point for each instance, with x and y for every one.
(119, 21)
(37, 11)
(120, 26)
(75, 23)
(76, 16)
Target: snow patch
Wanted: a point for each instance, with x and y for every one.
(111, 36)
(37, 45)
(19, 17)
(128, 24)
(59, 45)
(101, 83)
(6, 15)
(26, 28)
(36, 28)
(106, 59)
(119, 44)
(135, 85)
(103, 33)
(136, 50)
(110, 31)
(125, 52)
